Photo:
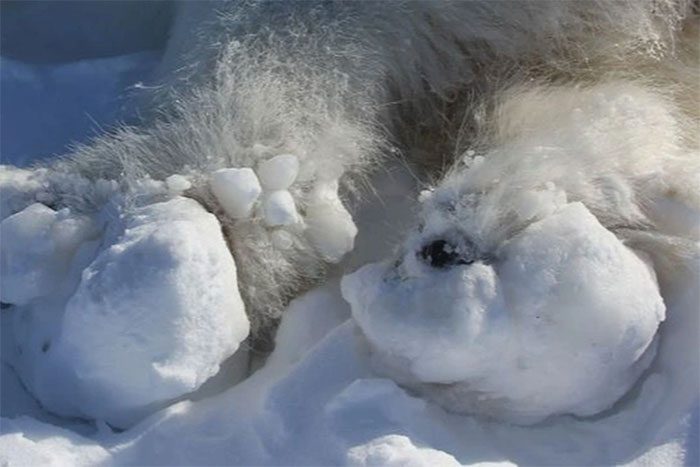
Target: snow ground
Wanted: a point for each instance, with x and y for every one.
(317, 400)
(63, 103)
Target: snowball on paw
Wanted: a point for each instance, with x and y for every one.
(562, 321)
(37, 246)
(279, 209)
(177, 183)
(329, 225)
(236, 190)
(279, 172)
(154, 316)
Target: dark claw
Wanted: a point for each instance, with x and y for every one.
(440, 254)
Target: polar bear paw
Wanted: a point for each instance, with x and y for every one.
(266, 194)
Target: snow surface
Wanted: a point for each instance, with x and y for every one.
(46, 108)
(318, 402)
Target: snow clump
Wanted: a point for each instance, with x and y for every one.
(561, 320)
(151, 319)
(279, 209)
(237, 190)
(329, 225)
(279, 172)
(37, 246)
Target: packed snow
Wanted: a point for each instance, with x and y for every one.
(152, 316)
(177, 184)
(279, 209)
(37, 246)
(279, 172)
(263, 192)
(318, 402)
(329, 225)
(237, 190)
(574, 328)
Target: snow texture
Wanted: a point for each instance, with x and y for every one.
(37, 246)
(279, 172)
(317, 401)
(237, 190)
(153, 316)
(279, 209)
(329, 225)
(568, 341)
(65, 103)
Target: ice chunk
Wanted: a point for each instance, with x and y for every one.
(279, 209)
(37, 246)
(563, 322)
(329, 225)
(177, 183)
(279, 172)
(237, 190)
(154, 315)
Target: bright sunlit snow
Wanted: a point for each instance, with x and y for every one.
(536, 335)
(152, 318)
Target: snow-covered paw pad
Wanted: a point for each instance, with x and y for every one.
(244, 193)
(557, 317)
